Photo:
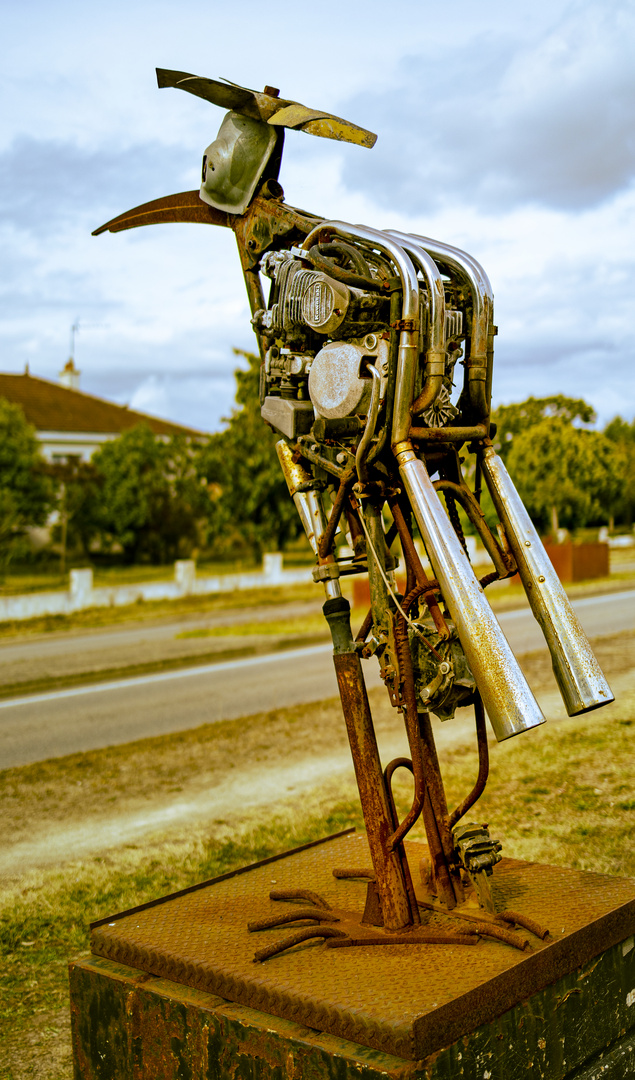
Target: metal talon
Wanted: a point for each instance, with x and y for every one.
(296, 939)
(524, 921)
(289, 917)
(300, 894)
(506, 936)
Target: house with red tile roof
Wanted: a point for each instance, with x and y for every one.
(70, 424)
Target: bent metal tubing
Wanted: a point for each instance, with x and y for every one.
(408, 337)
(435, 355)
(471, 272)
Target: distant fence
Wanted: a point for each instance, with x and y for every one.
(82, 594)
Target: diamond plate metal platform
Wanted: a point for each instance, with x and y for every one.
(404, 1000)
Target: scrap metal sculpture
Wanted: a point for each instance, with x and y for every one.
(362, 339)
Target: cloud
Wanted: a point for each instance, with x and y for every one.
(500, 121)
(48, 185)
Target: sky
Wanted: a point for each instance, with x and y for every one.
(505, 129)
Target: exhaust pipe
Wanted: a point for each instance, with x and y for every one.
(510, 704)
(579, 676)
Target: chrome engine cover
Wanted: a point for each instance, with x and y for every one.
(338, 386)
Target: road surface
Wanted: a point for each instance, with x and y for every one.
(85, 718)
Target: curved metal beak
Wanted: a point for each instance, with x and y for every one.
(185, 206)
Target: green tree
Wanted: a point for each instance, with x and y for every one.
(565, 475)
(150, 499)
(26, 494)
(512, 420)
(622, 435)
(241, 465)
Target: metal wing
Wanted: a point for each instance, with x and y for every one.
(269, 107)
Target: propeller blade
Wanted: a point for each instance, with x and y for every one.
(322, 124)
(185, 206)
(268, 106)
(226, 95)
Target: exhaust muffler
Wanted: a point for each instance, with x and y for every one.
(509, 702)
(579, 676)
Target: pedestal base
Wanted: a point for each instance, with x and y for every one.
(132, 1026)
(435, 1011)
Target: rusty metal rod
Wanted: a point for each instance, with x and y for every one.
(423, 768)
(449, 434)
(300, 894)
(525, 922)
(482, 925)
(487, 930)
(436, 790)
(325, 542)
(411, 555)
(297, 939)
(362, 633)
(317, 914)
(388, 775)
(393, 892)
(483, 765)
(504, 564)
(417, 937)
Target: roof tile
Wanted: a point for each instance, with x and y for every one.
(50, 407)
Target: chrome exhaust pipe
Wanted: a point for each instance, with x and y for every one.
(509, 702)
(578, 674)
(303, 490)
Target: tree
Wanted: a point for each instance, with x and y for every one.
(513, 420)
(565, 475)
(622, 435)
(241, 465)
(26, 494)
(150, 499)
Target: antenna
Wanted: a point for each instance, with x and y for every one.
(74, 331)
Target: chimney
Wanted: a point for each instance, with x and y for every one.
(69, 375)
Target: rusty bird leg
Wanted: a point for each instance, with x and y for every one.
(437, 798)
(391, 882)
(429, 797)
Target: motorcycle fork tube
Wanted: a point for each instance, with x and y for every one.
(398, 908)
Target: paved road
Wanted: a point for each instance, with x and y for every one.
(73, 652)
(49, 725)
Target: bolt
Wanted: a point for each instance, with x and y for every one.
(342, 457)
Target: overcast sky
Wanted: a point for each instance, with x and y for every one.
(506, 129)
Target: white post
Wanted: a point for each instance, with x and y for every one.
(185, 575)
(272, 566)
(81, 588)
